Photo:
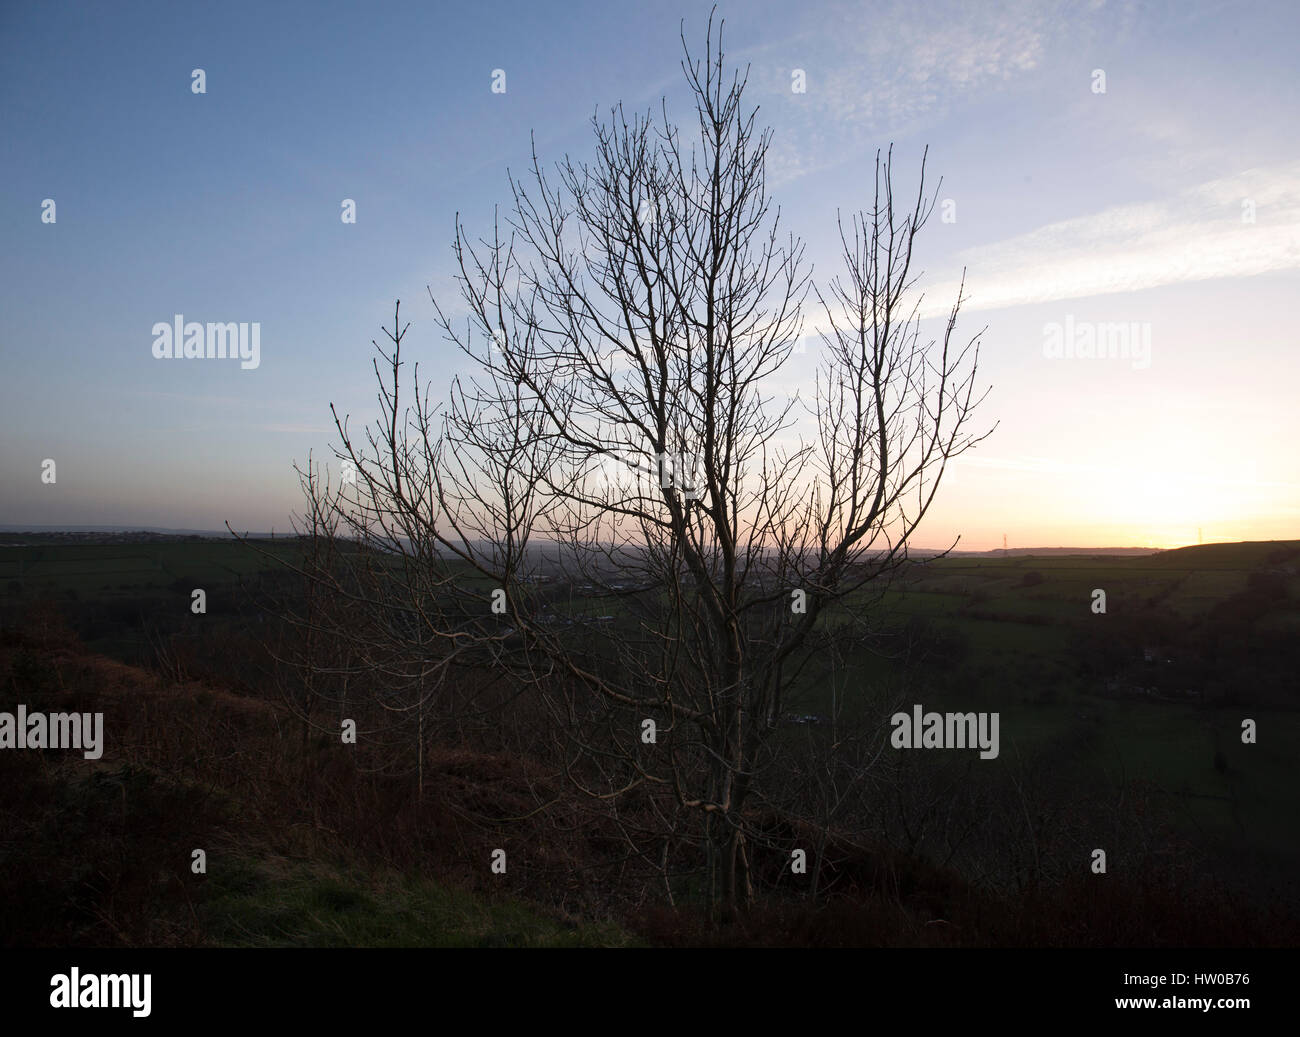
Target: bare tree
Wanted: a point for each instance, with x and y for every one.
(669, 545)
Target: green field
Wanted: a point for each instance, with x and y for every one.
(1022, 640)
(112, 571)
(1020, 655)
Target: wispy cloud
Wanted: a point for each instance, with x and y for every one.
(204, 399)
(883, 70)
(295, 429)
(1132, 472)
(1196, 235)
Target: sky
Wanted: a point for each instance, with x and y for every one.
(1107, 169)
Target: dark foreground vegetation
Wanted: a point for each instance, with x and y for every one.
(1123, 736)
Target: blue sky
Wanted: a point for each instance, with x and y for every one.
(1122, 206)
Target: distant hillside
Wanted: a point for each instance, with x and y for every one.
(1047, 551)
(161, 531)
(1249, 554)
(1246, 554)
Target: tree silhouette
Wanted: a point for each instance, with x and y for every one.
(674, 543)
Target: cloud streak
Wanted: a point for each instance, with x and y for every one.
(881, 71)
(1196, 235)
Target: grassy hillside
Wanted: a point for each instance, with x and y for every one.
(99, 852)
(308, 848)
(1018, 635)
